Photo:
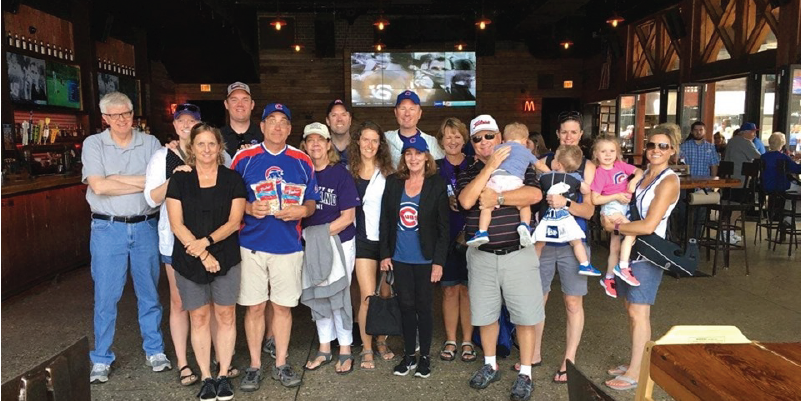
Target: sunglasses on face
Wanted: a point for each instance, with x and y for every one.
(187, 106)
(478, 139)
(654, 145)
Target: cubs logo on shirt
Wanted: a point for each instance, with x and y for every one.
(408, 217)
(274, 173)
(619, 178)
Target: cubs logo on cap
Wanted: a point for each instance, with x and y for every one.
(407, 95)
(484, 122)
(273, 107)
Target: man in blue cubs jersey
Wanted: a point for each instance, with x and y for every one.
(281, 191)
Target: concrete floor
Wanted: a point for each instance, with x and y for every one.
(764, 305)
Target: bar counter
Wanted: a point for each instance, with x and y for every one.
(45, 230)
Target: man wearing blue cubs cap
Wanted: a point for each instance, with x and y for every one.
(281, 187)
(408, 113)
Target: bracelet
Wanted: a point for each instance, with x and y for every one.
(207, 256)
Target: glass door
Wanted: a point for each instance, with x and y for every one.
(690, 99)
(794, 110)
(626, 121)
(767, 97)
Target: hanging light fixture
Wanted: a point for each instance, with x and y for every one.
(297, 47)
(381, 22)
(278, 23)
(483, 22)
(379, 46)
(566, 44)
(615, 19)
(461, 45)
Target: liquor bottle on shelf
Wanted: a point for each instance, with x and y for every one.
(10, 40)
(35, 46)
(24, 43)
(49, 50)
(42, 49)
(60, 53)
(17, 43)
(72, 55)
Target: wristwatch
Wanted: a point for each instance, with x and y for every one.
(500, 199)
(568, 202)
(211, 240)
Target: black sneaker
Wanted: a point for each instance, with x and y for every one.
(406, 364)
(225, 391)
(521, 390)
(423, 367)
(208, 390)
(484, 376)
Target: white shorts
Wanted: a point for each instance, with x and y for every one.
(504, 182)
(615, 207)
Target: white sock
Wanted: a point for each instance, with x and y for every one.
(490, 360)
(525, 370)
(624, 265)
(587, 263)
(610, 275)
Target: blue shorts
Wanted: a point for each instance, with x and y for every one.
(166, 259)
(649, 276)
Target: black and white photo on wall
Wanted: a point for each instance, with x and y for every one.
(26, 78)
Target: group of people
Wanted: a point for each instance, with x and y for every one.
(238, 216)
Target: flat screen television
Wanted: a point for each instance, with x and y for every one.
(63, 85)
(26, 79)
(441, 79)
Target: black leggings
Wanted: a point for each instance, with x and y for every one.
(415, 293)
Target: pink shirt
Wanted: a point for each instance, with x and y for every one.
(612, 181)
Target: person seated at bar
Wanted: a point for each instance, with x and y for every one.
(774, 179)
(124, 232)
(205, 207)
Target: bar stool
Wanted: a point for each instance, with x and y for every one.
(766, 204)
(793, 213)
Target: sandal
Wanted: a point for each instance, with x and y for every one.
(516, 367)
(386, 351)
(362, 360)
(232, 371)
(326, 360)
(342, 359)
(187, 380)
(448, 354)
(618, 370)
(560, 373)
(468, 356)
(628, 383)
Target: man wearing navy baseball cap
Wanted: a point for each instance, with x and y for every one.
(281, 187)
(408, 113)
(751, 127)
(240, 132)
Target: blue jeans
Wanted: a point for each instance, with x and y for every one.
(113, 245)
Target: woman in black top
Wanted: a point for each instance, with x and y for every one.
(414, 233)
(205, 207)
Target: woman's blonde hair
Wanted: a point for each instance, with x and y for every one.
(429, 169)
(605, 138)
(333, 155)
(454, 124)
(673, 132)
(776, 141)
(199, 128)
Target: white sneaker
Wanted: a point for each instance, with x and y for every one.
(159, 362)
(99, 373)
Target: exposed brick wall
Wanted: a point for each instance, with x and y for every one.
(162, 94)
(307, 84)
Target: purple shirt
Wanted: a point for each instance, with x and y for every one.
(337, 193)
(449, 172)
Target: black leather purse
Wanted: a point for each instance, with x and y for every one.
(383, 314)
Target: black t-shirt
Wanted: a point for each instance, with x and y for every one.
(204, 211)
(503, 226)
(361, 188)
(235, 140)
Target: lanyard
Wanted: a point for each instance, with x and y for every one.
(638, 199)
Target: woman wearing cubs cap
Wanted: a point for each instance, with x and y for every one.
(326, 281)
(413, 241)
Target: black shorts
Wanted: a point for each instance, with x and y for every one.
(366, 249)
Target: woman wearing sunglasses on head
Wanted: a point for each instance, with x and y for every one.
(655, 197)
(162, 165)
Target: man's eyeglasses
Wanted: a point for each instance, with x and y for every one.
(280, 123)
(117, 116)
(478, 139)
(187, 106)
(654, 145)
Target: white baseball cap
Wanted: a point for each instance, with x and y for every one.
(316, 128)
(484, 122)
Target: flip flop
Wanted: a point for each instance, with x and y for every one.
(516, 367)
(630, 383)
(362, 361)
(193, 378)
(560, 373)
(447, 354)
(618, 370)
(387, 350)
(232, 372)
(342, 359)
(326, 360)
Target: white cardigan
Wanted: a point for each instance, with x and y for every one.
(371, 204)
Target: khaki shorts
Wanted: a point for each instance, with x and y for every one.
(270, 277)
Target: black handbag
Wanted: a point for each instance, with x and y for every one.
(383, 314)
(663, 253)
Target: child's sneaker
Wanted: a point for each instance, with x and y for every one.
(609, 286)
(525, 235)
(588, 270)
(481, 238)
(626, 276)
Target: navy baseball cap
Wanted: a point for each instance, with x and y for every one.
(187, 108)
(273, 107)
(337, 102)
(748, 127)
(407, 95)
(415, 142)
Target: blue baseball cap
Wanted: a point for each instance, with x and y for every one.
(748, 127)
(415, 142)
(187, 108)
(407, 95)
(273, 107)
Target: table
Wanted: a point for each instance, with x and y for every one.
(698, 182)
(755, 371)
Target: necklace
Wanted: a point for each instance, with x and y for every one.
(209, 174)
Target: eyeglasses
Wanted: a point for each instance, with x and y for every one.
(478, 139)
(188, 107)
(115, 117)
(280, 123)
(653, 145)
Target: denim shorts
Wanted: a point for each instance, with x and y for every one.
(455, 270)
(649, 276)
(166, 259)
